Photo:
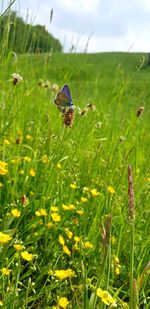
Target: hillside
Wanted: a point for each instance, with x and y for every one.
(19, 36)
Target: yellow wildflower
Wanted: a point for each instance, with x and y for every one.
(54, 208)
(32, 172)
(63, 274)
(15, 161)
(50, 272)
(41, 212)
(110, 189)
(83, 199)
(73, 186)
(5, 271)
(86, 189)
(61, 240)
(1, 185)
(75, 247)
(4, 238)
(27, 256)
(106, 298)
(6, 142)
(49, 225)
(58, 165)
(3, 168)
(94, 192)
(21, 172)
(113, 240)
(38, 213)
(27, 159)
(16, 213)
(80, 212)
(66, 250)
(71, 206)
(125, 305)
(56, 217)
(77, 239)
(88, 245)
(31, 193)
(29, 137)
(65, 207)
(63, 302)
(148, 179)
(1, 303)
(45, 159)
(18, 247)
(116, 265)
(118, 269)
(68, 233)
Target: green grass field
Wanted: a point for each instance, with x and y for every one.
(70, 234)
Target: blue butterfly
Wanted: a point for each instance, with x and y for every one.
(63, 99)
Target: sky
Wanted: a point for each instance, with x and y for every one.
(92, 25)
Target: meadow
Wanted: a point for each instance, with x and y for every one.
(74, 201)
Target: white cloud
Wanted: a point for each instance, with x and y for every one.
(115, 24)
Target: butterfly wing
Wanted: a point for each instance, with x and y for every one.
(61, 99)
(67, 93)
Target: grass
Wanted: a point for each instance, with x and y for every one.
(73, 182)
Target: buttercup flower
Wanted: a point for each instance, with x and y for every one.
(49, 225)
(28, 159)
(27, 256)
(94, 192)
(86, 189)
(56, 217)
(88, 245)
(58, 165)
(4, 238)
(63, 274)
(83, 199)
(16, 213)
(111, 190)
(3, 168)
(18, 247)
(66, 250)
(68, 233)
(29, 137)
(5, 271)
(116, 265)
(6, 142)
(45, 159)
(41, 212)
(73, 186)
(77, 239)
(105, 297)
(54, 208)
(32, 172)
(63, 302)
(61, 240)
(80, 212)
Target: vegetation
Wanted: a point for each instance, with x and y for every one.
(74, 201)
(20, 37)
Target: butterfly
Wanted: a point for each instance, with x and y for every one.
(63, 99)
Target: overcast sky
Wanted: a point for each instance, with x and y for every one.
(108, 25)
